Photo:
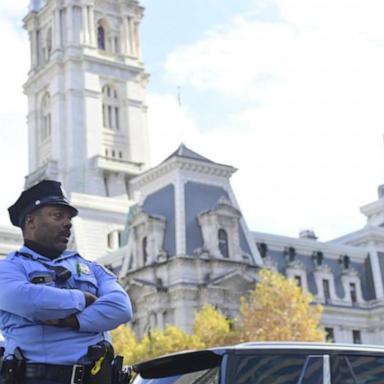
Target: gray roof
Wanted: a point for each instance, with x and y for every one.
(187, 153)
(363, 269)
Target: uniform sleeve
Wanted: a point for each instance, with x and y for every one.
(112, 308)
(35, 302)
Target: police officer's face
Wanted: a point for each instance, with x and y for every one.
(50, 226)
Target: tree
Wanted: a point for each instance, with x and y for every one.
(211, 327)
(278, 310)
(124, 343)
(156, 343)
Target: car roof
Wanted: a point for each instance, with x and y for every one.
(181, 362)
(309, 346)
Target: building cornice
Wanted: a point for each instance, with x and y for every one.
(179, 163)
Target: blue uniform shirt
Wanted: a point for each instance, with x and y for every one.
(24, 306)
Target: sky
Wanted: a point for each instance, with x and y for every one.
(290, 92)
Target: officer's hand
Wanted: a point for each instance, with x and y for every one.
(89, 298)
(69, 322)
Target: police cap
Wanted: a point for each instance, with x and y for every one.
(47, 192)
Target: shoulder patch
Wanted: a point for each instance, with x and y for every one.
(106, 270)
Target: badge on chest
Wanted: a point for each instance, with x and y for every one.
(82, 269)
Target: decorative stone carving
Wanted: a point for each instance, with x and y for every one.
(223, 217)
(145, 240)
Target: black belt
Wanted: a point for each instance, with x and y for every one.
(69, 374)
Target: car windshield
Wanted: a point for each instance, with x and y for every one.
(361, 369)
(275, 369)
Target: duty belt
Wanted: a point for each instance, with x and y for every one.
(69, 374)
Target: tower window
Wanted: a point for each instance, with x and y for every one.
(110, 108)
(223, 243)
(45, 131)
(101, 37)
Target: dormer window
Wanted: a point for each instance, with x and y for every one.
(290, 254)
(326, 290)
(144, 250)
(318, 258)
(345, 262)
(263, 249)
(223, 243)
(353, 293)
(220, 230)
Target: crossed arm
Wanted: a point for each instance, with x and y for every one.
(64, 307)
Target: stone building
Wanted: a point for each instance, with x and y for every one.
(173, 233)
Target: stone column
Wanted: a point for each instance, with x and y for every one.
(126, 35)
(70, 24)
(56, 30)
(92, 26)
(137, 39)
(131, 37)
(85, 26)
(32, 38)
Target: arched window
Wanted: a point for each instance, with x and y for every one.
(145, 253)
(223, 243)
(100, 37)
(45, 132)
(111, 112)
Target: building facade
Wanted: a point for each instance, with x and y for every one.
(174, 233)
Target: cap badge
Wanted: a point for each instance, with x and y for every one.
(37, 202)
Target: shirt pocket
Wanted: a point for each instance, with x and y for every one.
(42, 277)
(86, 283)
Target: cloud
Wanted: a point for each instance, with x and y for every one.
(309, 135)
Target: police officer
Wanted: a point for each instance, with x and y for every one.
(54, 304)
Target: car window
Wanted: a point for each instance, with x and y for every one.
(275, 369)
(354, 369)
(208, 376)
